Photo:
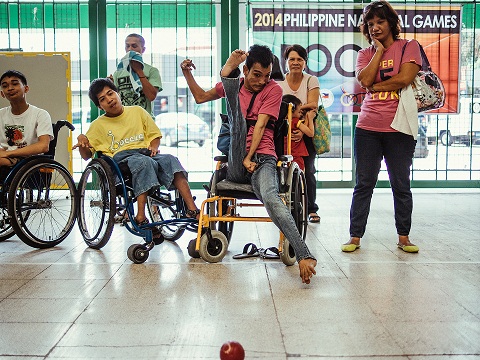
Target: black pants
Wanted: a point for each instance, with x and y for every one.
(370, 148)
(310, 173)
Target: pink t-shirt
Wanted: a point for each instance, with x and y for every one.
(378, 109)
(267, 102)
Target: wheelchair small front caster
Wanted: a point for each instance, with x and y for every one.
(213, 246)
(137, 253)
(191, 249)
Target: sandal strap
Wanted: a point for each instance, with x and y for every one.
(144, 222)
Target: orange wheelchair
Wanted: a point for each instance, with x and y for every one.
(225, 199)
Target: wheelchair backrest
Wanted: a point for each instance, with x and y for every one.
(281, 130)
(56, 128)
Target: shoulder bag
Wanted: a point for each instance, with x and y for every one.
(322, 133)
(427, 86)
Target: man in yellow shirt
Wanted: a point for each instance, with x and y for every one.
(129, 134)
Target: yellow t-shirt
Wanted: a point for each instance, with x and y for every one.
(133, 129)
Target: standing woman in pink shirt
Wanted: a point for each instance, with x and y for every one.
(383, 71)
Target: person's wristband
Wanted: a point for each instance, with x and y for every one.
(300, 122)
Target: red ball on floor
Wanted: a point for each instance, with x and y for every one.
(232, 350)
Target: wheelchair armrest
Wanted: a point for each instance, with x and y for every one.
(221, 158)
(287, 158)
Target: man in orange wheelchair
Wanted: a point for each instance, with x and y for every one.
(257, 163)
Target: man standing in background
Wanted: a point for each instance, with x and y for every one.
(138, 83)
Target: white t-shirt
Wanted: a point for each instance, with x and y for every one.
(309, 82)
(17, 131)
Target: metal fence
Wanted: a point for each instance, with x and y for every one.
(448, 153)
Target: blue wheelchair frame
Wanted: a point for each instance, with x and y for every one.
(138, 253)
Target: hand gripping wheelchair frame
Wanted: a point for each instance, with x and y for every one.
(38, 198)
(219, 210)
(102, 181)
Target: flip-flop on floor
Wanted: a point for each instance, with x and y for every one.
(249, 250)
(269, 253)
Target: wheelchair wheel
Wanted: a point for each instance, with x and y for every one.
(298, 201)
(137, 253)
(42, 196)
(288, 254)
(6, 230)
(160, 210)
(97, 205)
(213, 250)
(298, 206)
(191, 249)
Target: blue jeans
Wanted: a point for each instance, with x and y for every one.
(150, 172)
(370, 148)
(264, 179)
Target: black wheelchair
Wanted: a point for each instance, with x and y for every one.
(104, 184)
(38, 198)
(220, 210)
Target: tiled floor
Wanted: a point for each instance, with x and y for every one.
(77, 303)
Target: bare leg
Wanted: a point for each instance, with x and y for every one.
(7, 162)
(181, 183)
(141, 203)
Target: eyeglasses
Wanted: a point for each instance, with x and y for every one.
(353, 99)
(372, 6)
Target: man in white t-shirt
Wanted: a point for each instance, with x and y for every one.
(25, 129)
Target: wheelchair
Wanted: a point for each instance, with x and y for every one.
(38, 198)
(104, 184)
(220, 210)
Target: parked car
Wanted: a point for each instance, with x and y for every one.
(341, 142)
(181, 127)
(463, 128)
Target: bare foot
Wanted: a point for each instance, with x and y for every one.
(236, 58)
(307, 269)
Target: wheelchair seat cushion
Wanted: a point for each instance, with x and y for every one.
(236, 190)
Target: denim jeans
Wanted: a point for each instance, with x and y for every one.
(150, 172)
(370, 147)
(264, 179)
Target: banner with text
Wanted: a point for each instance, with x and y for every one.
(333, 38)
